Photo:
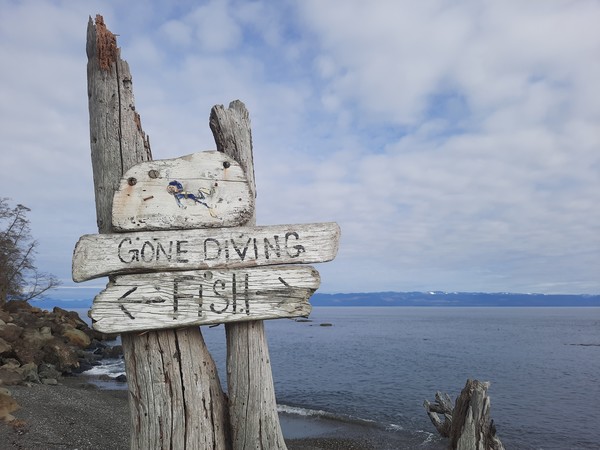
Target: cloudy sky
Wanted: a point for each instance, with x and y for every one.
(456, 143)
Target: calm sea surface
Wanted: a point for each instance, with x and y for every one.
(376, 366)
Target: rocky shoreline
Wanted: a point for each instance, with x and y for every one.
(46, 403)
(40, 347)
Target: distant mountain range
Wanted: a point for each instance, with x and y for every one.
(437, 298)
(433, 298)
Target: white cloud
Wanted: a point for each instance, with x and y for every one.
(456, 144)
(177, 32)
(215, 27)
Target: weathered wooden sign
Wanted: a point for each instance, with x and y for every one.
(176, 299)
(205, 189)
(154, 251)
(179, 233)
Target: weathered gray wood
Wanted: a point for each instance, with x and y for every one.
(120, 253)
(442, 405)
(204, 189)
(175, 398)
(176, 299)
(468, 424)
(175, 393)
(252, 407)
(114, 123)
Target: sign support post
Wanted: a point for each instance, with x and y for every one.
(180, 245)
(252, 407)
(175, 397)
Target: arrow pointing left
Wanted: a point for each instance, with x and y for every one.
(176, 299)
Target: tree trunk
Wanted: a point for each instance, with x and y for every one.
(252, 406)
(175, 398)
(468, 424)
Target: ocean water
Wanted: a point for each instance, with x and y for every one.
(374, 367)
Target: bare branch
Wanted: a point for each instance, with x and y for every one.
(19, 278)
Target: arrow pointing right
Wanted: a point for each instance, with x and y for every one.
(286, 291)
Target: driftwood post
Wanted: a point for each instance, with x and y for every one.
(252, 406)
(175, 397)
(468, 424)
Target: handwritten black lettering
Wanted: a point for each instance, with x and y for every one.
(216, 249)
(147, 252)
(241, 254)
(221, 283)
(177, 295)
(298, 248)
(133, 254)
(180, 251)
(160, 248)
(275, 248)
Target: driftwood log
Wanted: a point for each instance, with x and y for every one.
(252, 407)
(467, 424)
(175, 396)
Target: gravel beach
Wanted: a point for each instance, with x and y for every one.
(77, 415)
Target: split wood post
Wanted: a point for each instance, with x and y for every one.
(175, 397)
(468, 424)
(252, 405)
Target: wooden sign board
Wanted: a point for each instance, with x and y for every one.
(206, 189)
(155, 251)
(176, 299)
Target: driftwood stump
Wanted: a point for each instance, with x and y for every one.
(468, 423)
(175, 397)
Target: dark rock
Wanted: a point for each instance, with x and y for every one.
(83, 366)
(10, 362)
(27, 352)
(70, 317)
(96, 346)
(25, 319)
(36, 345)
(113, 352)
(5, 316)
(77, 337)
(87, 360)
(15, 306)
(10, 376)
(30, 373)
(7, 405)
(5, 347)
(61, 354)
(101, 336)
(10, 332)
(46, 370)
(121, 378)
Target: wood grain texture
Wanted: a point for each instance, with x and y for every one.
(204, 189)
(472, 426)
(155, 251)
(175, 398)
(252, 407)
(177, 299)
(468, 423)
(116, 137)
